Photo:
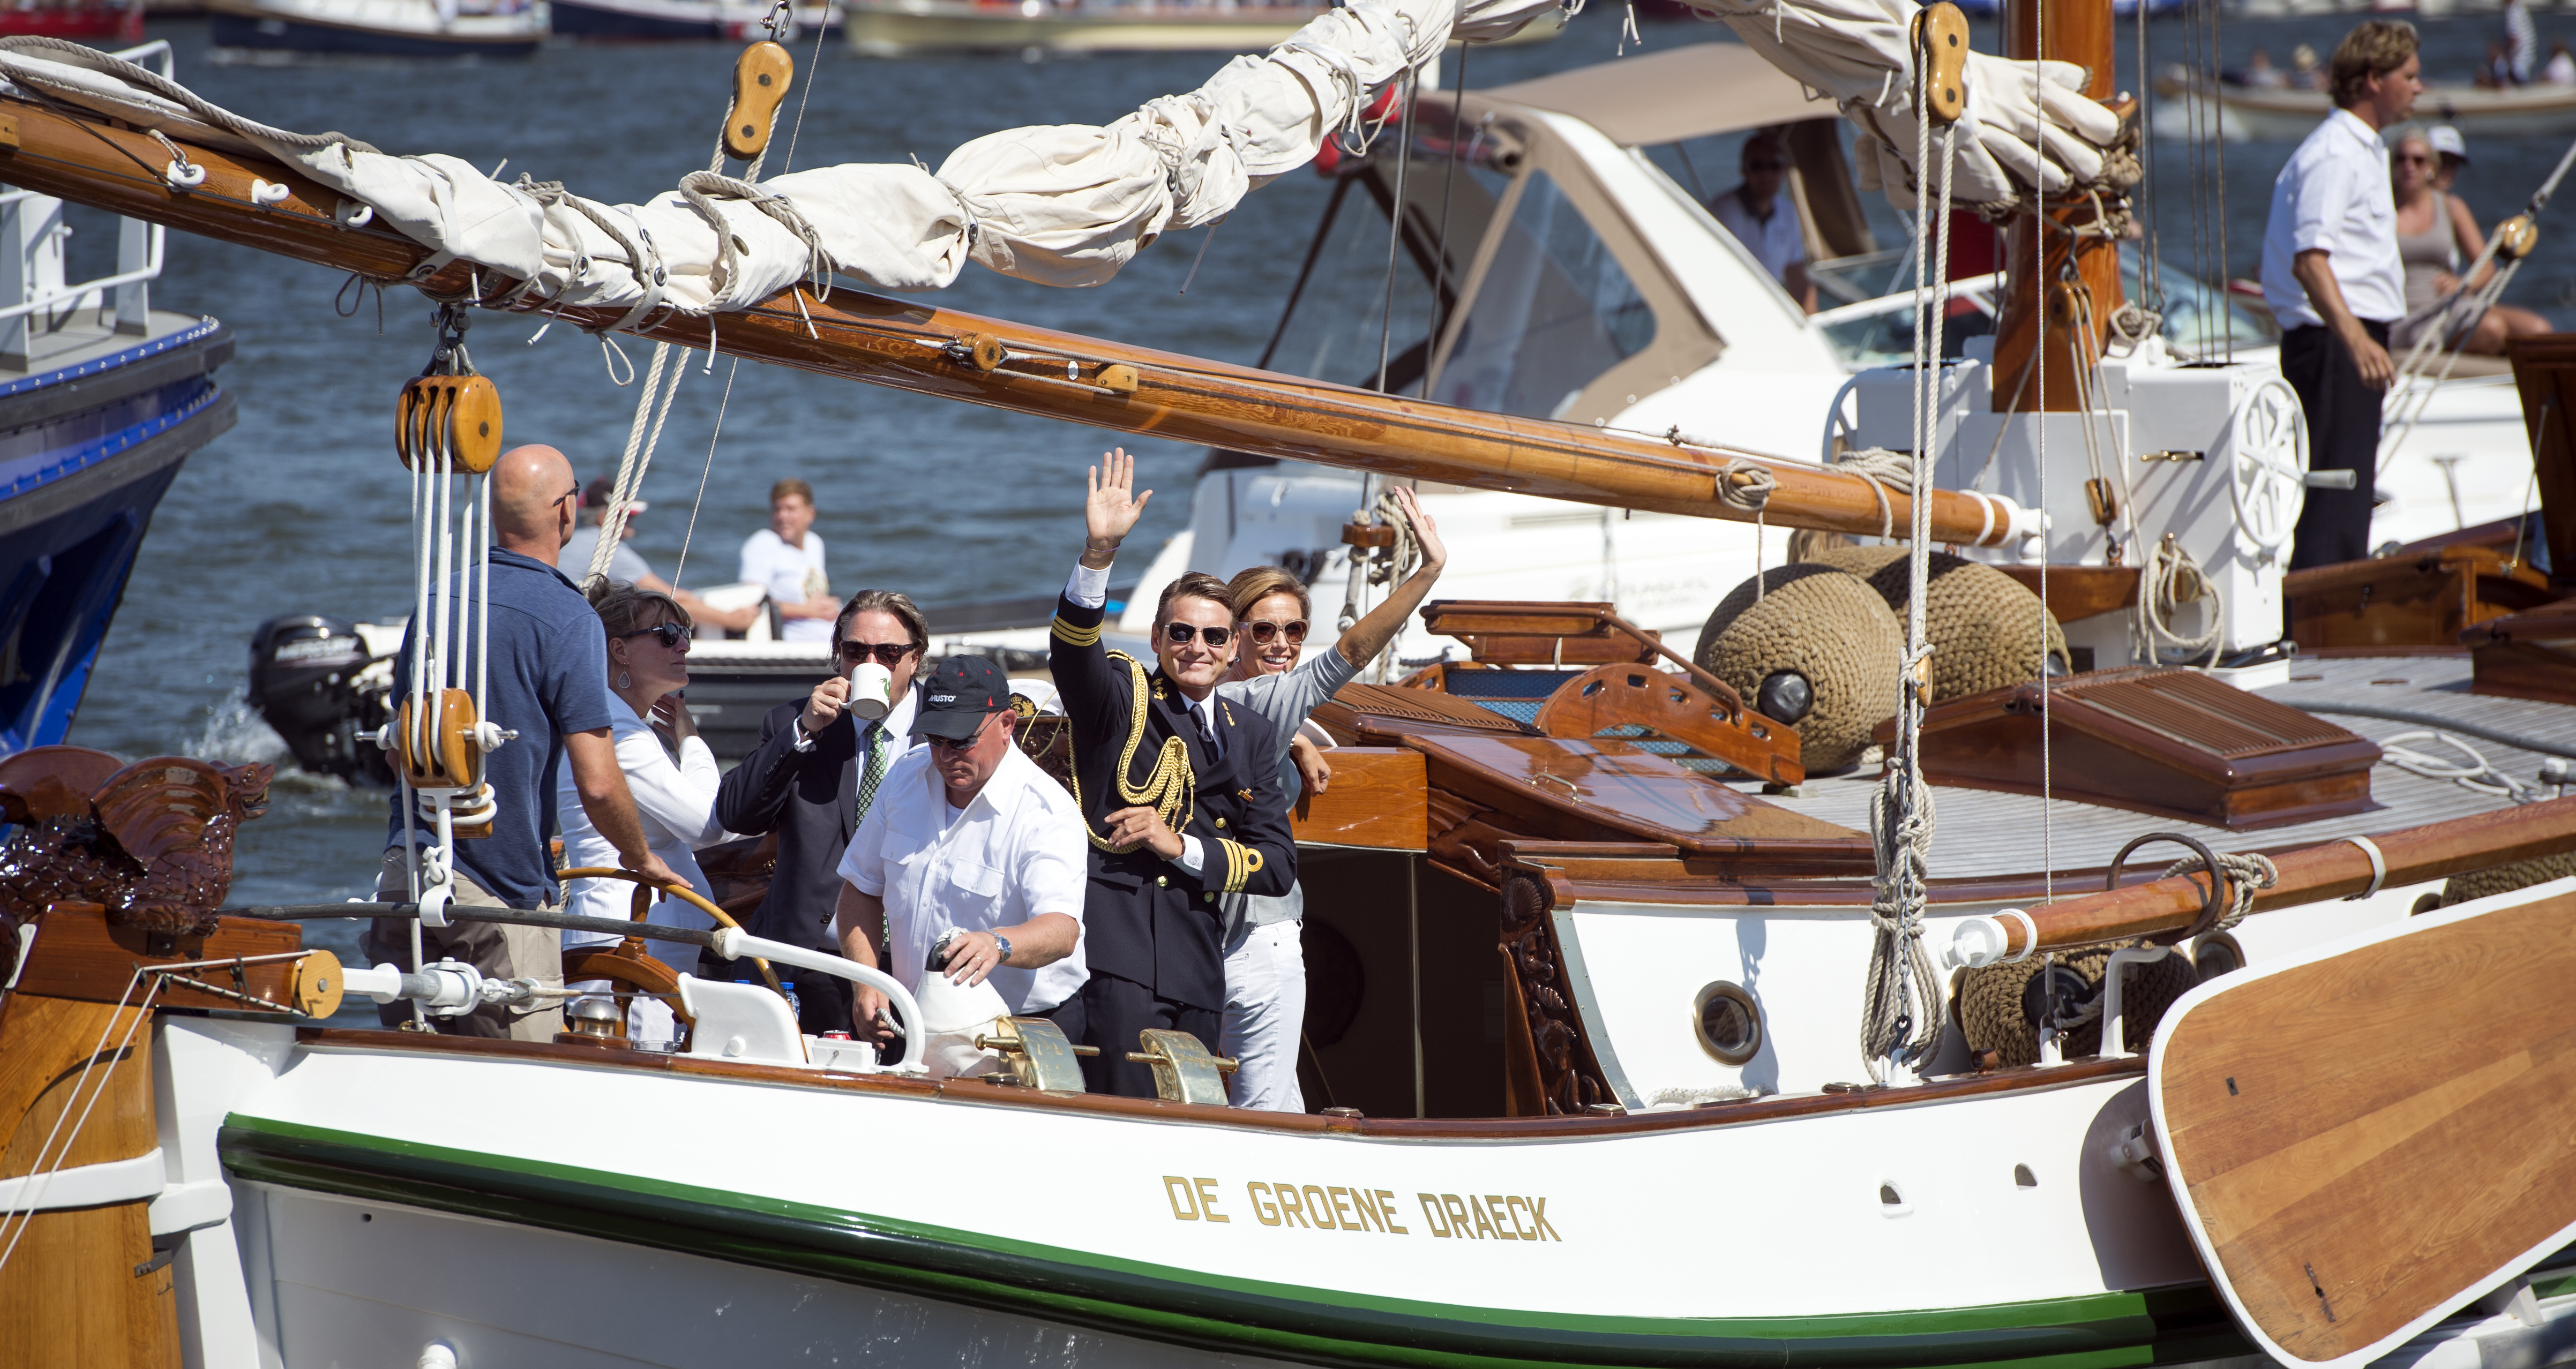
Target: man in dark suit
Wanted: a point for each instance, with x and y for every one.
(1180, 795)
(812, 778)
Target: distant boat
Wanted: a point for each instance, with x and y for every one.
(87, 21)
(380, 28)
(891, 28)
(2270, 115)
(734, 20)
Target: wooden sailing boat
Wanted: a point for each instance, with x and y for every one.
(1598, 1046)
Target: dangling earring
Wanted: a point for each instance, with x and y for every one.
(625, 680)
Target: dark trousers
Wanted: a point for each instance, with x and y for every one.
(1113, 1011)
(2343, 435)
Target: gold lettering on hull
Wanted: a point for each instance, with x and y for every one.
(1372, 1211)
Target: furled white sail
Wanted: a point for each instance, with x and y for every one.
(1065, 204)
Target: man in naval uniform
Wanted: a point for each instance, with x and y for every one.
(1180, 795)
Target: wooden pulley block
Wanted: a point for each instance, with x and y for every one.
(449, 418)
(2516, 236)
(439, 751)
(1941, 40)
(2104, 503)
(2066, 304)
(316, 989)
(760, 79)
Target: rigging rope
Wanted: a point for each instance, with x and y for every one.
(640, 442)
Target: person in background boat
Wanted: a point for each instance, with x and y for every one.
(2454, 152)
(2310, 75)
(2259, 73)
(2436, 234)
(1151, 916)
(627, 566)
(2561, 67)
(2495, 70)
(2521, 42)
(1265, 959)
(1765, 220)
(968, 837)
(2332, 278)
(787, 558)
(812, 780)
(647, 633)
(547, 680)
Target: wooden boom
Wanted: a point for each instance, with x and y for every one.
(933, 351)
(2337, 869)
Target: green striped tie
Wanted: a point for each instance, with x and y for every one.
(872, 773)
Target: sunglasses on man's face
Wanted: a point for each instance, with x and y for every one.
(1266, 632)
(670, 635)
(1179, 634)
(888, 654)
(964, 742)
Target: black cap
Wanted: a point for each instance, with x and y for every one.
(958, 694)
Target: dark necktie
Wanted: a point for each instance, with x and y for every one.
(871, 770)
(1207, 734)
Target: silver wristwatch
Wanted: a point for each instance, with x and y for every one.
(1005, 943)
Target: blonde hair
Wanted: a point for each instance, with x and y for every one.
(625, 610)
(1256, 583)
(2375, 47)
(794, 486)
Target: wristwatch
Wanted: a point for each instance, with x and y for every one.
(1005, 943)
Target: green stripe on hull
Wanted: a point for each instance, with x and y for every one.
(1196, 1308)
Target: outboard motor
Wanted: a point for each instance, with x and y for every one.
(304, 671)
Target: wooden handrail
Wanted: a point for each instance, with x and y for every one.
(928, 350)
(678, 891)
(2314, 874)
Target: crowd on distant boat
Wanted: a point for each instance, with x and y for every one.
(2512, 61)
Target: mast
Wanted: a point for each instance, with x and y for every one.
(2048, 275)
(928, 350)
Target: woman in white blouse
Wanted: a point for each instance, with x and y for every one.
(648, 661)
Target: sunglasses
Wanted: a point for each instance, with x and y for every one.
(1766, 166)
(888, 654)
(1179, 634)
(670, 635)
(962, 743)
(2414, 158)
(1266, 632)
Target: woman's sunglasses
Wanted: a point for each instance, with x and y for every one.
(2414, 158)
(1266, 632)
(888, 654)
(670, 635)
(1179, 634)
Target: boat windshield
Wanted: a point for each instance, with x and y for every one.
(1554, 311)
(1875, 326)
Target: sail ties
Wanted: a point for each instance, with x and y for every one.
(702, 188)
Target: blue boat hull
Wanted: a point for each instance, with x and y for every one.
(86, 452)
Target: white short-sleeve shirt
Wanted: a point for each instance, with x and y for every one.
(2334, 195)
(792, 575)
(1016, 852)
(1776, 242)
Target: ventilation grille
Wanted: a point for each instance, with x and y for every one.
(2201, 713)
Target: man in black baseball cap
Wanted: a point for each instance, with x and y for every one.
(970, 861)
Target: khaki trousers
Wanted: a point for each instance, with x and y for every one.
(498, 950)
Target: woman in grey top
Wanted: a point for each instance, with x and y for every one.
(1265, 962)
(2436, 235)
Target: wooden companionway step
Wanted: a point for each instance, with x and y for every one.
(2366, 1137)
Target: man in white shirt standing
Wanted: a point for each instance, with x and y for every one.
(968, 834)
(1765, 220)
(787, 557)
(2332, 276)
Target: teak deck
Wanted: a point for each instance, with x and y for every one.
(2367, 1140)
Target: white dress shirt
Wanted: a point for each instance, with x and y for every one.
(2334, 195)
(677, 806)
(1016, 852)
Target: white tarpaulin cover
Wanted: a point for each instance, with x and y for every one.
(1062, 205)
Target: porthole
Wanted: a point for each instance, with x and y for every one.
(1729, 1022)
(2023, 1178)
(2216, 953)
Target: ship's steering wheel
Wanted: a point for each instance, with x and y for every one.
(627, 964)
(2267, 455)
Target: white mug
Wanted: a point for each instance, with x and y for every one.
(871, 692)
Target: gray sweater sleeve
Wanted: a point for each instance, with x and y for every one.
(1286, 700)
